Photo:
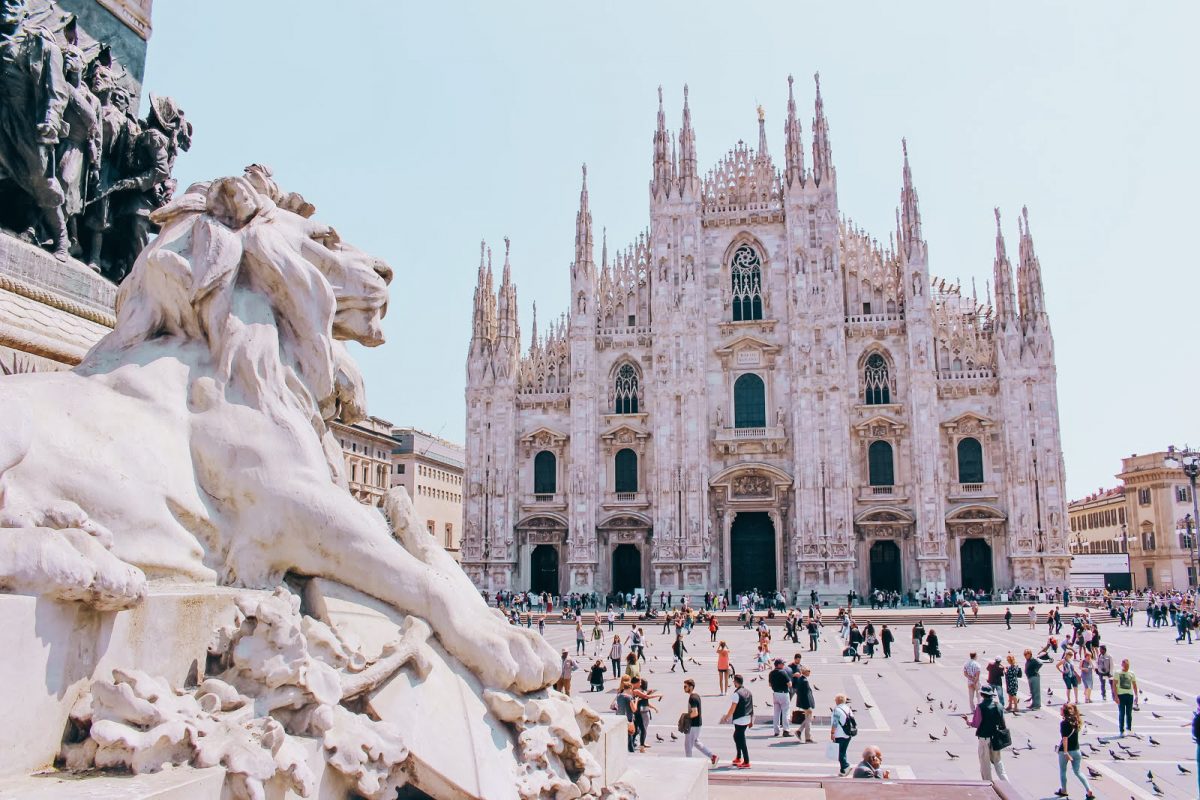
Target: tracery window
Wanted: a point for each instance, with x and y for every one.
(970, 460)
(878, 386)
(626, 390)
(746, 270)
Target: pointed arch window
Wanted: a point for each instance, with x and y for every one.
(545, 473)
(970, 460)
(749, 402)
(626, 390)
(625, 471)
(879, 464)
(746, 271)
(878, 384)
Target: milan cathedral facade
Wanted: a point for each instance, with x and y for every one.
(756, 393)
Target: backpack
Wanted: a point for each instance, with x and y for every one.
(745, 704)
(850, 726)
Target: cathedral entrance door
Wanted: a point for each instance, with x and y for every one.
(543, 569)
(626, 568)
(975, 558)
(885, 566)
(752, 552)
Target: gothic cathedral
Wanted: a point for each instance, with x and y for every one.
(756, 394)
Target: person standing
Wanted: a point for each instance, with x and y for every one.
(814, 633)
(564, 679)
(1068, 750)
(1012, 682)
(918, 638)
(695, 721)
(971, 671)
(1032, 618)
(626, 705)
(932, 646)
(1125, 692)
(838, 733)
(1104, 665)
(780, 681)
(722, 667)
(961, 620)
(886, 636)
(616, 654)
(1196, 740)
(1008, 618)
(1070, 674)
(995, 677)
(741, 714)
(597, 638)
(713, 627)
(678, 648)
(805, 703)
(1033, 668)
(988, 722)
(580, 641)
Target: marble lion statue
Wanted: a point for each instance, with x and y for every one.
(191, 444)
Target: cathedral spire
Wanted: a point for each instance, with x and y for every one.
(533, 337)
(793, 147)
(507, 300)
(762, 134)
(583, 226)
(910, 212)
(603, 248)
(1029, 275)
(687, 143)
(822, 154)
(662, 169)
(1005, 305)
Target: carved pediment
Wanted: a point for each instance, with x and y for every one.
(625, 522)
(748, 351)
(885, 516)
(543, 522)
(976, 513)
(624, 435)
(968, 423)
(878, 427)
(543, 438)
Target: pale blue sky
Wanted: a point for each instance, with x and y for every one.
(418, 128)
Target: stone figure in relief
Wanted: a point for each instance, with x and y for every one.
(34, 96)
(192, 442)
(79, 148)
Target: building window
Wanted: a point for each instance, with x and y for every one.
(449, 535)
(545, 473)
(400, 469)
(970, 461)
(878, 387)
(430, 525)
(746, 271)
(626, 471)
(1148, 539)
(879, 464)
(749, 402)
(1144, 497)
(1183, 494)
(626, 390)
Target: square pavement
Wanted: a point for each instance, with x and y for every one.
(887, 693)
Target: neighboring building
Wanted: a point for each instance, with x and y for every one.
(756, 393)
(367, 448)
(431, 469)
(1158, 497)
(1099, 550)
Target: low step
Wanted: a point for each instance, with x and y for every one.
(183, 783)
(664, 778)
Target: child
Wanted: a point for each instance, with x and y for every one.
(596, 676)
(763, 657)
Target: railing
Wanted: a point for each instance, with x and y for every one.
(893, 493)
(972, 489)
(768, 432)
(626, 497)
(883, 490)
(891, 316)
(543, 498)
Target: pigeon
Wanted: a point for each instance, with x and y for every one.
(1154, 786)
(918, 711)
(1124, 747)
(1114, 755)
(905, 721)
(945, 731)
(1050, 690)
(674, 738)
(952, 755)
(816, 688)
(914, 723)
(1183, 770)
(941, 705)
(1168, 659)
(752, 680)
(1154, 741)
(1156, 715)
(933, 738)
(868, 705)
(1094, 773)
(658, 736)
(1149, 774)
(878, 674)
(929, 697)
(1028, 744)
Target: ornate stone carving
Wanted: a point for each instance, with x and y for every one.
(751, 486)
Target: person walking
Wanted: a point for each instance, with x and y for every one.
(987, 723)
(1070, 674)
(1008, 618)
(886, 637)
(842, 730)
(1087, 670)
(694, 722)
(780, 680)
(616, 654)
(626, 705)
(646, 707)
(741, 714)
(713, 627)
(597, 638)
(971, 671)
(580, 640)
(1125, 692)
(722, 667)
(1068, 750)
(918, 638)
(632, 668)
(961, 620)
(1012, 682)
(1033, 668)
(805, 703)
(678, 648)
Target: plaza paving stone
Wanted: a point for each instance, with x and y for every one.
(895, 688)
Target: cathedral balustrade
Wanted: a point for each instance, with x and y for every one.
(964, 374)
(889, 494)
(545, 501)
(626, 500)
(738, 434)
(973, 491)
